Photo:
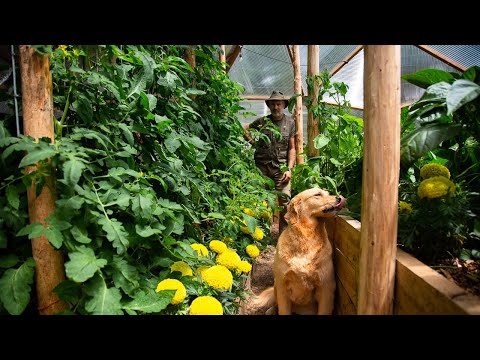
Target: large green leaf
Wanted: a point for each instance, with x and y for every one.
(416, 143)
(427, 77)
(142, 206)
(125, 275)
(461, 92)
(104, 301)
(80, 234)
(150, 302)
(72, 170)
(37, 155)
(15, 287)
(12, 196)
(32, 230)
(115, 233)
(83, 264)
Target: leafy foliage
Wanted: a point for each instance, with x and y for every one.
(149, 158)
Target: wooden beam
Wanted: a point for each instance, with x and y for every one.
(346, 60)
(442, 57)
(380, 177)
(264, 97)
(231, 59)
(37, 103)
(313, 69)
(297, 84)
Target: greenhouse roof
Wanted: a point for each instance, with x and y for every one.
(260, 69)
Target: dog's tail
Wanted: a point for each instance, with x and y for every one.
(265, 299)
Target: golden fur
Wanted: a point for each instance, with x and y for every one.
(303, 264)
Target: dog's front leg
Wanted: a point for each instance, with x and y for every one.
(283, 301)
(325, 295)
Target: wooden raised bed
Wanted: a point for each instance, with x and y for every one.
(418, 288)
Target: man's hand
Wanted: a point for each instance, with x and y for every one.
(287, 175)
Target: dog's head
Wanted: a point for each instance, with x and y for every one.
(313, 203)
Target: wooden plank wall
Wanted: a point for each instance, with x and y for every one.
(418, 288)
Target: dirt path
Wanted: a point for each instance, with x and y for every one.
(261, 276)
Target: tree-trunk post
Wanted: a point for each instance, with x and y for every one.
(380, 177)
(297, 82)
(37, 103)
(313, 66)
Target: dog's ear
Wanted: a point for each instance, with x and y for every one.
(291, 215)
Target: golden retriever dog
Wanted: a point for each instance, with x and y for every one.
(304, 278)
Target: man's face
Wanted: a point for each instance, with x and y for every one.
(276, 106)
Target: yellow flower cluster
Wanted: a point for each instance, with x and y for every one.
(436, 187)
(258, 234)
(200, 249)
(229, 258)
(405, 207)
(430, 170)
(182, 267)
(218, 277)
(206, 305)
(244, 266)
(173, 284)
(217, 246)
(252, 251)
(249, 212)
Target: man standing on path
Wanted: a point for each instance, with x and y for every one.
(278, 150)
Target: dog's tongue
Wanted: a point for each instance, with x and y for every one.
(341, 203)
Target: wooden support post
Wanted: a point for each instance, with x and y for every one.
(222, 57)
(37, 102)
(297, 82)
(313, 68)
(380, 177)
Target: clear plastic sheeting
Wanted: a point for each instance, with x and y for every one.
(260, 69)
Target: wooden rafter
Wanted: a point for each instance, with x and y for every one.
(231, 59)
(442, 57)
(263, 97)
(346, 60)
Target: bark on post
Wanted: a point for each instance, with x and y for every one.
(381, 164)
(313, 67)
(37, 102)
(297, 81)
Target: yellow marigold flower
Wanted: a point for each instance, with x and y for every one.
(217, 246)
(173, 284)
(244, 266)
(430, 170)
(252, 251)
(218, 277)
(405, 207)
(258, 234)
(201, 270)
(182, 267)
(206, 305)
(228, 258)
(436, 187)
(249, 211)
(200, 249)
(265, 204)
(266, 214)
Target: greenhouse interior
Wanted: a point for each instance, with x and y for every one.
(129, 182)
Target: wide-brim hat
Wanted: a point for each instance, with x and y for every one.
(277, 95)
